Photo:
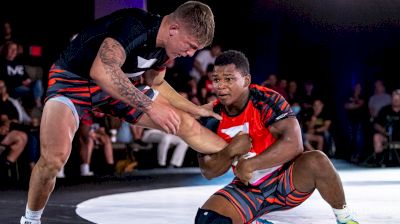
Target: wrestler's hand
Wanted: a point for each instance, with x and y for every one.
(205, 112)
(244, 170)
(165, 117)
(240, 144)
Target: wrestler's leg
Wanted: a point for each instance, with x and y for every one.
(222, 206)
(313, 170)
(197, 136)
(57, 130)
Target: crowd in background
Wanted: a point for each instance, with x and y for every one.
(373, 119)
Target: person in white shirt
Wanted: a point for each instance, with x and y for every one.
(165, 141)
(203, 59)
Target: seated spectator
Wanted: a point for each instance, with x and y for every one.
(292, 93)
(202, 59)
(12, 71)
(296, 108)
(92, 132)
(12, 107)
(16, 128)
(7, 35)
(165, 141)
(387, 124)
(181, 81)
(317, 125)
(205, 86)
(12, 144)
(128, 133)
(91, 135)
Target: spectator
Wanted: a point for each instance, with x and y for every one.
(308, 98)
(180, 80)
(205, 85)
(387, 124)
(292, 93)
(165, 141)
(271, 81)
(20, 121)
(380, 99)
(281, 88)
(203, 59)
(317, 126)
(12, 71)
(132, 134)
(8, 35)
(93, 132)
(296, 108)
(12, 144)
(356, 113)
(11, 107)
(277, 85)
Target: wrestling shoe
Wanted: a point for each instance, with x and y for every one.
(28, 221)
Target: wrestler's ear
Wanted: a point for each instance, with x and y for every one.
(247, 80)
(173, 29)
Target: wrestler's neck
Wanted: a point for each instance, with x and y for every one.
(239, 104)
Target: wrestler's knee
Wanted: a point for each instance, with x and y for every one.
(317, 161)
(205, 216)
(187, 124)
(52, 158)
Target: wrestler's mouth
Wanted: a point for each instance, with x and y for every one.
(223, 96)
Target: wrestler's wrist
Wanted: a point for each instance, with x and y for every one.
(147, 108)
(250, 163)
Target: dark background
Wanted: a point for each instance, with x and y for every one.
(334, 43)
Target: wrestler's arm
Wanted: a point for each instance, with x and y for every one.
(287, 146)
(107, 73)
(156, 78)
(216, 164)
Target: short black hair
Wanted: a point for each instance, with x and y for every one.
(210, 67)
(234, 57)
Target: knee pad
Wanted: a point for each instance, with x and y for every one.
(205, 216)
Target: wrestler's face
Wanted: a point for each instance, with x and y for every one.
(230, 84)
(180, 43)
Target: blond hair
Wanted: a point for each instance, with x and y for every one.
(198, 20)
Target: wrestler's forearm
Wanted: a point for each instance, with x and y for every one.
(287, 146)
(106, 72)
(214, 165)
(276, 154)
(175, 98)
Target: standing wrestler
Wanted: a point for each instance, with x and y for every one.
(275, 174)
(98, 72)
